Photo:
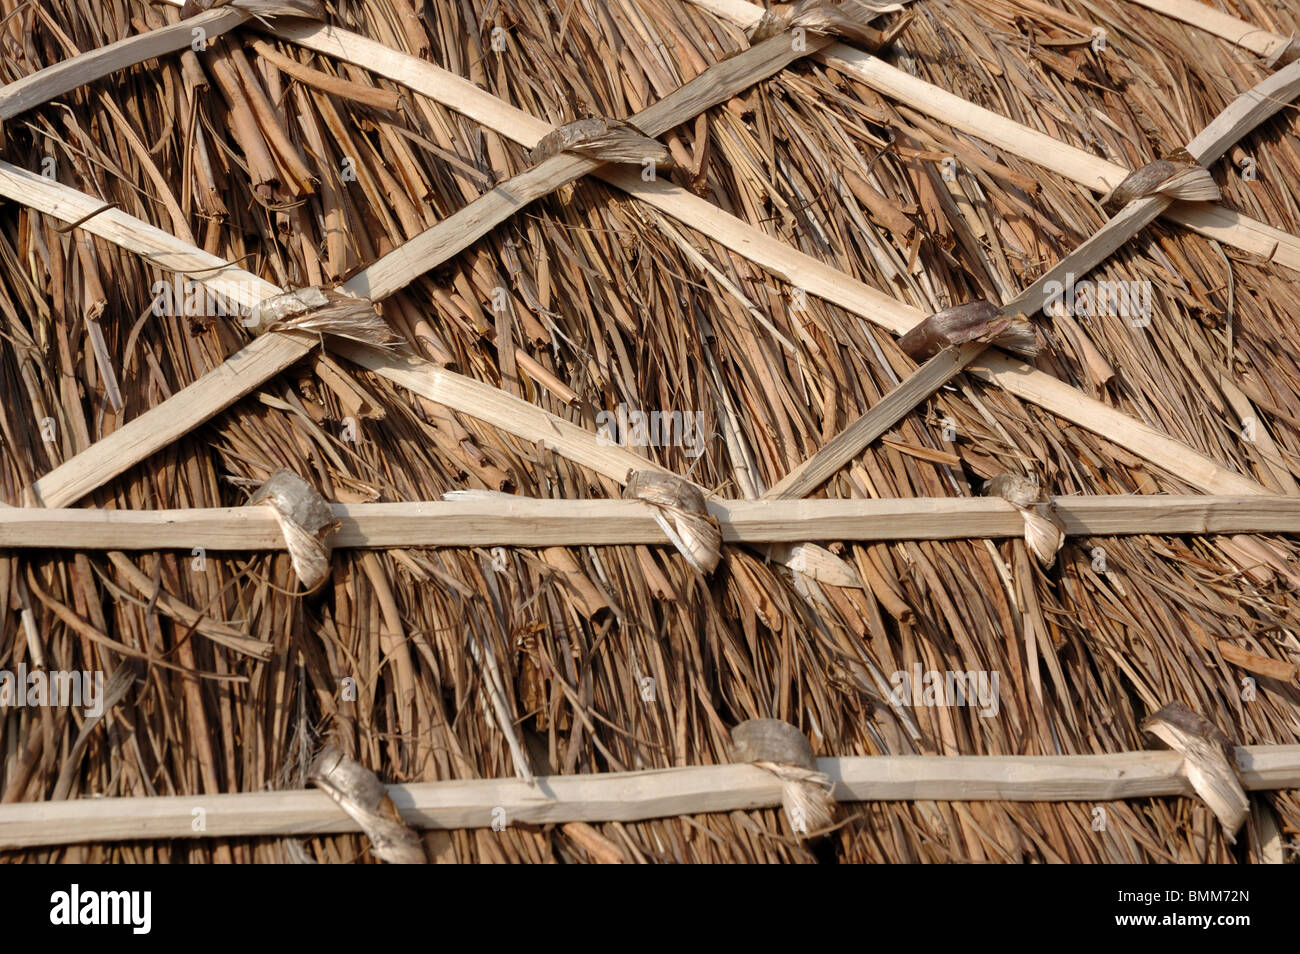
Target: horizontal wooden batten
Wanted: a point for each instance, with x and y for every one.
(635, 796)
(507, 520)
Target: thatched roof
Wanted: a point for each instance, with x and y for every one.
(298, 156)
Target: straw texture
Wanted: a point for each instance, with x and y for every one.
(427, 663)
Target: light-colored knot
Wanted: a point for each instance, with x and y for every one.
(783, 750)
(307, 9)
(1209, 762)
(325, 311)
(1178, 177)
(680, 511)
(358, 791)
(825, 18)
(605, 140)
(972, 321)
(306, 520)
(1042, 534)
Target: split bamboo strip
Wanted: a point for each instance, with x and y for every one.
(494, 406)
(635, 796)
(887, 412)
(802, 270)
(158, 427)
(1241, 115)
(265, 358)
(44, 85)
(151, 243)
(1204, 17)
(457, 232)
(1092, 172)
(1048, 392)
(511, 520)
(175, 417)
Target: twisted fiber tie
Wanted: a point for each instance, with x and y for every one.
(783, 750)
(305, 519)
(325, 311)
(1178, 177)
(1209, 762)
(680, 511)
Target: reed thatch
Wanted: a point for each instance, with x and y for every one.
(428, 663)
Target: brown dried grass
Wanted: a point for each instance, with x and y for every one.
(607, 301)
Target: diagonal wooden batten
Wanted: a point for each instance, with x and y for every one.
(1245, 112)
(1207, 18)
(156, 428)
(1239, 117)
(637, 796)
(268, 356)
(494, 406)
(1046, 391)
(529, 422)
(772, 254)
(1242, 114)
(793, 266)
(458, 231)
(1015, 376)
(511, 520)
(175, 417)
(887, 412)
(160, 248)
(1238, 230)
(46, 84)
(1090, 171)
